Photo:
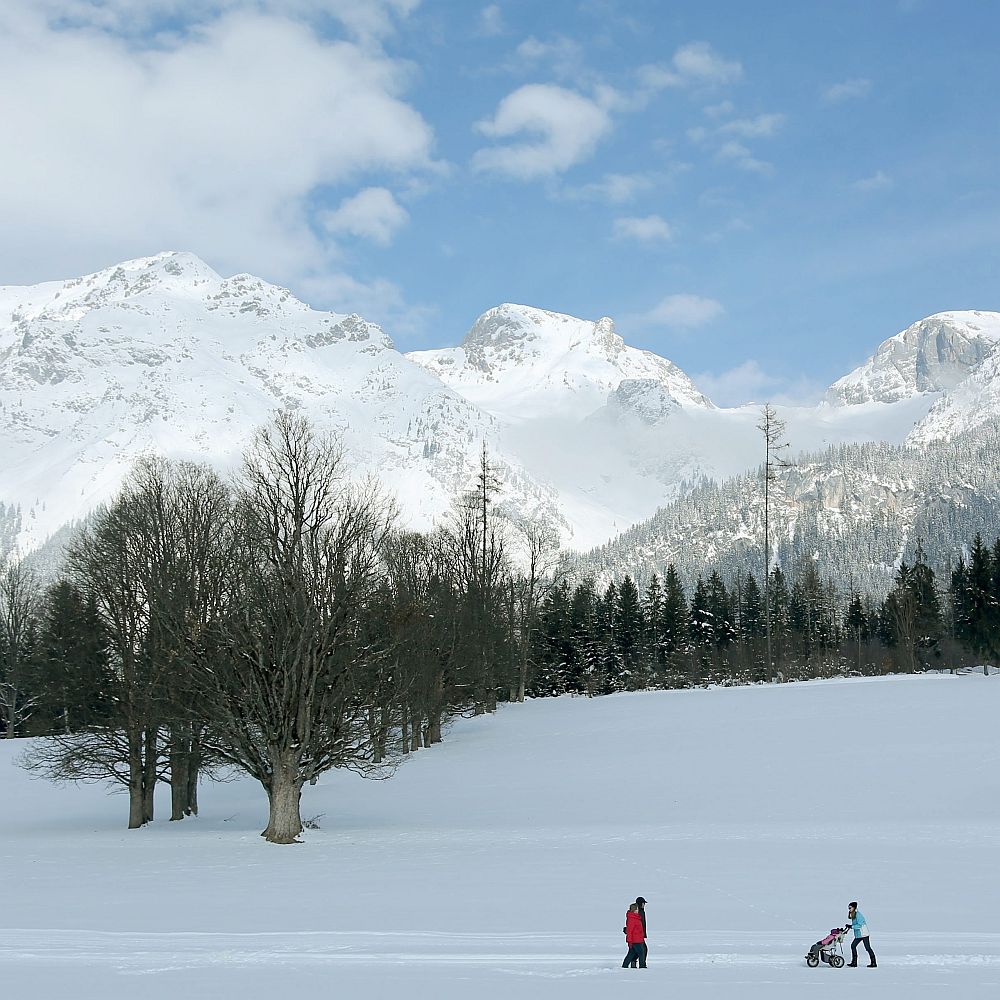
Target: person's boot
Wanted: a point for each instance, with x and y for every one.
(873, 964)
(852, 965)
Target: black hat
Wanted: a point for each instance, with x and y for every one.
(855, 905)
(640, 900)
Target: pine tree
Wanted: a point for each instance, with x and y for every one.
(675, 625)
(654, 654)
(71, 660)
(628, 630)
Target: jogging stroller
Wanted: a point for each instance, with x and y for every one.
(830, 950)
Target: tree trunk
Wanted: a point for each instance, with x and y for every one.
(433, 734)
(180, 759)
(375, 731)
(194, 767)
(415, 740)
(135, 784)
(149, 772)
(284, 821)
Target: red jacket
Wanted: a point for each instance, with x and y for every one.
(634, 934)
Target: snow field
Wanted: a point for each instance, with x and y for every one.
(501, 862)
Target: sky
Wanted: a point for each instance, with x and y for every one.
(761, 192)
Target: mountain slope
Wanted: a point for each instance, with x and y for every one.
(854, 510)
(522, 363)
(162, 354)
(591, 435)
(933, 355)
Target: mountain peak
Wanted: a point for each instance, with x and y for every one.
(517, 333)
(932, 355)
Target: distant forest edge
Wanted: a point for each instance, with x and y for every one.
(856, 511)
(282, 624)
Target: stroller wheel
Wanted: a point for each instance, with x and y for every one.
(836, 961)
(812, 961)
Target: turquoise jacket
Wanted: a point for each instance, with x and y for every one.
(859, 925)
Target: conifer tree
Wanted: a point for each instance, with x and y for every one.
(675, 625)
(627, 631)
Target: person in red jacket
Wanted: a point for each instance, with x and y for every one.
(635, 938)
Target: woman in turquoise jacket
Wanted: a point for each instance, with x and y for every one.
(857, 922)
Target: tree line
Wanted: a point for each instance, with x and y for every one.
(596, 640)
(280, 623)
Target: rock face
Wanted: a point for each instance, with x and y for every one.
(934, 355)
(970, 405)
(645, 399)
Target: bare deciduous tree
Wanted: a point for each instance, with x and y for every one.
(540, 545)
(286, 678)
(20, 604)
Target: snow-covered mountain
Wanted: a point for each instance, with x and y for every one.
(971, 404)
(163, 354)
(521, 363)
(931, 356)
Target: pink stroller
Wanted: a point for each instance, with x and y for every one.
(829, 950)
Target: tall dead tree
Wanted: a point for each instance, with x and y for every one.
(772, 427)
(479, 561)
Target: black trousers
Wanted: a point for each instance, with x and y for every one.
(868, 948)
(636, 953)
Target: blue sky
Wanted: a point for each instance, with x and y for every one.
(759, 191)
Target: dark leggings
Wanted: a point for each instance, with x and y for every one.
(868, 948)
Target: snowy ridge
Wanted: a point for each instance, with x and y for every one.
(589, 434)
(523, 363)
(933, 355)
(162, 354)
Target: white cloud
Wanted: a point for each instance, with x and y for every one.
(732, 149)
(738, 154)
(647, 229)
(205, 141)
(879, 181)
(699, 62)
(564, 128)
(694, 65)
(560, 57)
(720, 110)
(761, 127)
(491, 20)
(366, 19)
(617, 189)
(847, 91)
(378, 300)
(372, 214)
(748, 382)
(683, 312)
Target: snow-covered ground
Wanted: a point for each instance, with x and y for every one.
(500, 863)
